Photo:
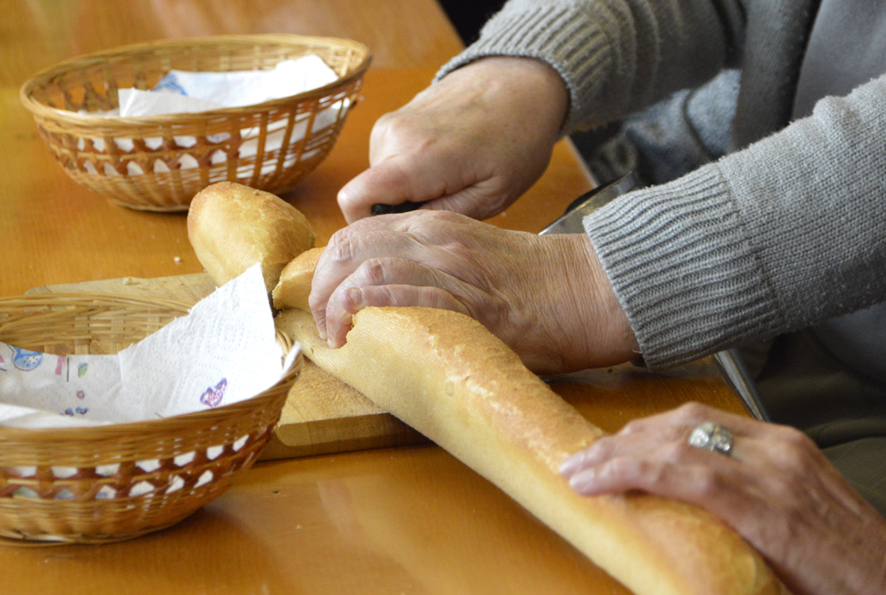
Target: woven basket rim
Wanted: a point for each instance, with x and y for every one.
(206, 416)
(151, 426)
(77, 119)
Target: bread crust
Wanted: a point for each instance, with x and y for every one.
(448, 377)
(232, 227)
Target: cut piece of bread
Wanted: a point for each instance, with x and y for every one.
(294, 287)
(448, 377)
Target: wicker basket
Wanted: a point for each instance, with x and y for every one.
(158, 163)
(108, 483)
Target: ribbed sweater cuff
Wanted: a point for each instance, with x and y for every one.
(683, 269)
(557, 35)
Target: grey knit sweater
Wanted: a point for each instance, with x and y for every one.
(786, 232)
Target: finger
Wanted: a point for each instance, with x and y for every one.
(390, 282)
(754, 442)
(348, 248)
(340, 323)
(395, 180)
(425, 237)
(691, 478)
(608, 447)
(479, 201)
(728, 491)
(674, 425)
(691, 414)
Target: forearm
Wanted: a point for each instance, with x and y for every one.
(782, 235)
(615, 56)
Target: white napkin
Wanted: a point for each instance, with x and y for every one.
(222, 352)
(190, 92)
(182, 91)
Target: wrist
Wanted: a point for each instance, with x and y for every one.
(529, 83)
(594, 329)
(605, 307)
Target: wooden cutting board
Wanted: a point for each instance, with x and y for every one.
(323, 415)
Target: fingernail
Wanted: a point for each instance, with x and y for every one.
(344, 194)
(583, 481)
(572, 464)
(355, 299)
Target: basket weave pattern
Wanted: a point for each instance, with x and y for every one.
(158, 163)
(106, 483)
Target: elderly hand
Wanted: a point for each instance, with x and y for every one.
(471, 143)
(776, 489)
(545, 296)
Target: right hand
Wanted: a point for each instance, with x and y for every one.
(471, 143)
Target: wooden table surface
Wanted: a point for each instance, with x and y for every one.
(405, 520)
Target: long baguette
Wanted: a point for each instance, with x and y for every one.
(445, 375)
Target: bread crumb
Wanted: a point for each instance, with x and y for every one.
(130, 281)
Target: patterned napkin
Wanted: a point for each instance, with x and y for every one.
(222, 352)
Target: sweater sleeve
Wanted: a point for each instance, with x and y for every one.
(615, 56)
(784, 234)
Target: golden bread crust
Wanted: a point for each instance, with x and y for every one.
(232, 227)
(448, 377)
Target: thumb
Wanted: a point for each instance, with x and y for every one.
(481, 201)
(395, 180)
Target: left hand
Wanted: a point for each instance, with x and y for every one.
(776, 489)
(546, 297)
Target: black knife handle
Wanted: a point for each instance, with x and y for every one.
(381, 209)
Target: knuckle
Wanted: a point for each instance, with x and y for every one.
(675, 451)
(709, 482)
(795, 438)
(601, 449)
(342, 246)
(623, 468)
(799, 452)
(371, 272)
(650, 474)
(640, 473)
(634, 426)
(692, 412)
(384, 126)
(796, 461)
(316, 303)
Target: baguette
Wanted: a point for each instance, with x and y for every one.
(449, 378)
(232, 227)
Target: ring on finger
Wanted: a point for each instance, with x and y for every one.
(712, 437)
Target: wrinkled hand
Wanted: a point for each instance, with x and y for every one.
(777, 490)
(545, 296)
(471, 143)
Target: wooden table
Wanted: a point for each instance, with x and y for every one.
(405, 520)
